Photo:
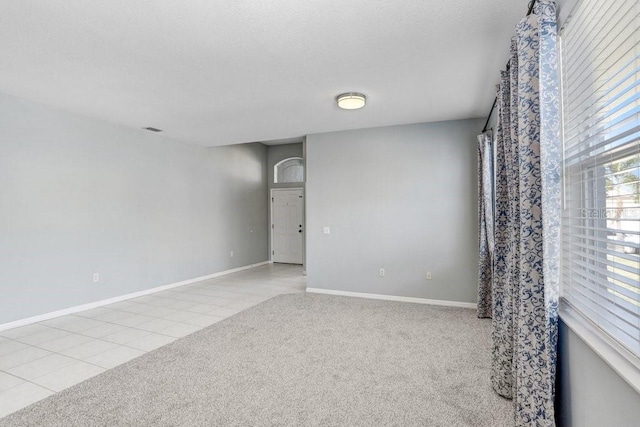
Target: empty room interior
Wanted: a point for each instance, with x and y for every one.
(360, 213)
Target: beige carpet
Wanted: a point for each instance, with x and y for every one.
(298, 360)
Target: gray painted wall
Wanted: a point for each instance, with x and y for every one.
(402, 198)
(589, 392)
(79, 196)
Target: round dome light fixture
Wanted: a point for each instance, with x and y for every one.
(351, 100)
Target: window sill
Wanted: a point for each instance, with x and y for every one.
(622, 361)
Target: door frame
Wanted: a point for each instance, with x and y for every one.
(304, 222)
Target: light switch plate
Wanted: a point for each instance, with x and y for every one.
(326, 230)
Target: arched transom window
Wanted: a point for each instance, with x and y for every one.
(289, 170)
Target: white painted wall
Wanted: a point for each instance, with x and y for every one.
(79, 196)
(402, 198)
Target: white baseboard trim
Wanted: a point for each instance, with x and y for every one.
(95, 304)
(395, 298)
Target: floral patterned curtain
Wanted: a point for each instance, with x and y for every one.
(485, 224)
(527, 221)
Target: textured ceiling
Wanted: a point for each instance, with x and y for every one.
(224, 72)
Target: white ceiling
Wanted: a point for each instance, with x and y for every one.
(222, 72)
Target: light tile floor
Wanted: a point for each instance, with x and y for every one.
(43, 358)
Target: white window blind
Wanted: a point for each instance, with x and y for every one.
(601, 219)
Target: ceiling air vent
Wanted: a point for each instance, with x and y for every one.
(150, 129)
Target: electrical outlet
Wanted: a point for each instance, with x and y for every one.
(96, 277)
(428, 275)
(382, 272)
(231, 254)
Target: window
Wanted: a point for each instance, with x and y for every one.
(289, 170)
(601, 217)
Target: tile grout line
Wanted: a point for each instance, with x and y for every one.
(80, 333)
(61, 328)
(24, 381)
(259, 294)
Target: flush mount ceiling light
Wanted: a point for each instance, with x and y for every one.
(351, 100)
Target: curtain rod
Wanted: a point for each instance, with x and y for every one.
(495, 101)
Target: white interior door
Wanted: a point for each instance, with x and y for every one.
(287, 226)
